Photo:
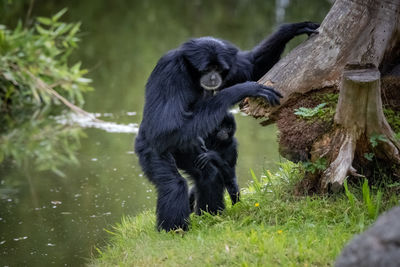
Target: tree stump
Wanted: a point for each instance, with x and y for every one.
(358, 118)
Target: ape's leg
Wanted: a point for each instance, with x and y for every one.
(210, 191)
(226, 170)
(231, 185)
(172, 201)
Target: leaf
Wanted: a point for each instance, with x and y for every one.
(45, 21)
(75, 29)
(369, 156)
(59, 14)
(309, 112)
(349, 195)
(377, 137)
(84, 80)
(41, 30)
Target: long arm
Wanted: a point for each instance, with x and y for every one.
(268, 52)
(210, 112)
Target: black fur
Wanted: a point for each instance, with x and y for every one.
(176, 113)
(217, 162)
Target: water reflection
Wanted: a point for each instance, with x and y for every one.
(48, 219)
(60, 219)
(92, 121)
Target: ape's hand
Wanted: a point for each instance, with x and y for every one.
(306, 27)
(269, 94)
(204, 158)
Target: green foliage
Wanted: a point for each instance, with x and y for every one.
(313, 167)
(270, 225)
(310, 112)
(393, 118)
(324, 111)
(330, 98)
(371, 203)
(374, 138)
(373, 208)
(350, 196)
(34, 65)
(35, 83)
(369, 156)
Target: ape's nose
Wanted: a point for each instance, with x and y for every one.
(213, 77)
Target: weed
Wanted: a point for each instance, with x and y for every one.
(313, 167)
(374, 138)
(310, 112)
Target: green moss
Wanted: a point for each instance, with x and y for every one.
(269, 227)
(393, 118)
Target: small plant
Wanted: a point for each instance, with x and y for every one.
(330, 98)
(319, 165)
(256, 183)
(372, 208)
(375, 138)
(310, 112)
(350, 196)
(369, 156)
(393, 118)
(371, 203)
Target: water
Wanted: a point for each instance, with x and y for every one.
(49, 220)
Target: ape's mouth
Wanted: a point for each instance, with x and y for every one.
(211, 80)
(211, 87)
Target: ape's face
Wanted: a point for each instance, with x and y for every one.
(225, 132)
(212, 78)
(212, 59)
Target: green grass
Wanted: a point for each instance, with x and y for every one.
(269, 227)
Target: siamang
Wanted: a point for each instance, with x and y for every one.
(177, 112)
(217, 162)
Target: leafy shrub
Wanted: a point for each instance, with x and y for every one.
(36, 82)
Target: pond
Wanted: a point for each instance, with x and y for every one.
(46, 219)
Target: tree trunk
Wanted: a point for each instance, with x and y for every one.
(365, 37)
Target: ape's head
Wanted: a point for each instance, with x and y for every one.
(226, 129)
(211, 58)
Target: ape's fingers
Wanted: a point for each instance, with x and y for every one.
(313, 25)
(201, 161)
(307, 24)
(271, 90)
(307, 31)
(272, 99)
(268, 90)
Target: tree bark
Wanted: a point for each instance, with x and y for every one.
(359, 116)
(365, 36)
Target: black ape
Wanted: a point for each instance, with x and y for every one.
(217, 163)
(176, 113)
